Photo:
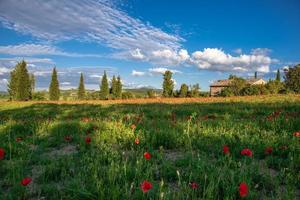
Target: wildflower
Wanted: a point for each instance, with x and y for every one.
(137, 141)
(297, 134)
(133, 126)
(146, 186)
(147, 155)
(243, 189)
(18, 139)
(246, 152)
(2, 154)
(68, 138)
(194, 185)
(268, 150)
(88, 140)
(26, 181)
(226, 149)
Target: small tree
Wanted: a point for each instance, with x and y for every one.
(81, 89)
(183, 90)
(278, 76)
(237, 84)
(23, 82)
(168, 84)
(12, 85)
(150, 93)
(292, 79)
(195, 90)
(54, 92)
(119, 88)
(104, 89)
(255, 75)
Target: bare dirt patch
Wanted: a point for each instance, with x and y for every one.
(63, 151)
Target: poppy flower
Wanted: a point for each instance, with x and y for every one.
(243, 189)
(297, 134)
(194, 185)
(19, 139)
(268, 150)
(146, 186)
(2, 154)
(147, 155)
(88, 140)
(226, 149)
(68, 138)
(246, 152)
(26, 181)
(133, 126)
(137, 141)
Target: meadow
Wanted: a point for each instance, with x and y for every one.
(205, 148)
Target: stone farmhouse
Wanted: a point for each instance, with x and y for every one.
(217, 86)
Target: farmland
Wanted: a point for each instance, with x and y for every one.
(183, 148)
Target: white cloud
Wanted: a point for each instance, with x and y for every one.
(169, 57)
(4, 70)
(84, 20)
(162, 70)
(238, 51)
(95, 76)
(38, 49)
(137, 73)
(137, 54)
(66, 83)
(217, 60)
(261, 51)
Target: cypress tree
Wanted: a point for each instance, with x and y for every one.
(81, 89)
(168, 84)
(54, 92)
(32, 85)
(119, 88)
(23, 81)
(255, 75)
(104, 89)
(278, 76)
(114, 87)
(12, 85)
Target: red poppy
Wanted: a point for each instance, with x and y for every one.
(268, 150)
(246, 152)
(19, 139)
(194, 185)
(2, 154)
(226, 149)
(243, 189)
(146, 186)
(26, 181)
(133, 126)
(297, 134)
(88, 140)
(137, 141)
(68, 138)
(147, 155)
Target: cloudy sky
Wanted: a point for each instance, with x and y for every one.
(199, 41)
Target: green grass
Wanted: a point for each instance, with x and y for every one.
(183, 150)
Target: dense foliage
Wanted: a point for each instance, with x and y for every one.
(21, 83)
(81, 90)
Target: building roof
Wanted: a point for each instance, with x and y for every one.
(226, 82)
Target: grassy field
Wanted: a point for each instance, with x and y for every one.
(184, 148)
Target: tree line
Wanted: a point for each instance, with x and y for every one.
(184, 91)
(22, 83)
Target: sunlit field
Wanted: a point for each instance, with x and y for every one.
(205, 148)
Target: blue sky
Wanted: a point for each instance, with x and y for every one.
(200, 41)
